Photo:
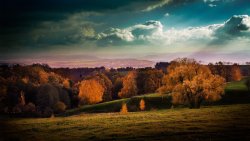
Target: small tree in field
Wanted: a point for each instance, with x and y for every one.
(142, 105)
(190, 82)
(124, 109)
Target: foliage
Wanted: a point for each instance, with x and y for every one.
(148, 80)
(236, 73)
(129, 88)
(59, 107)
(66, 83)
(106, 84)
(191, 82)
(47, 96)
(124, 109)
(142, 105)
(90, 92)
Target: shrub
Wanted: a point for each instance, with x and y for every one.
(59, 107)
(124, 109)
(142, 105)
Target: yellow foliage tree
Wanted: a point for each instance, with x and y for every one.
(142, 105)
(188, 81)
(90, 92)
(124, 109)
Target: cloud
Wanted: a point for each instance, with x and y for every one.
(153, 32)
(135, 34)
(160, 3)
(237, 26)
(74, 29)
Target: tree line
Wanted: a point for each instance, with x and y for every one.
(38, 90)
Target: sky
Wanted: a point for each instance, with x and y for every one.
(90, 33)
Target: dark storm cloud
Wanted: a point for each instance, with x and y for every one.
(20, 17)
(15, 12)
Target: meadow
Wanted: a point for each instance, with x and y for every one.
(160, 121)
(210, 123)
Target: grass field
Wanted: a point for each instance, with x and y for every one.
(231, 122)
(227, 119)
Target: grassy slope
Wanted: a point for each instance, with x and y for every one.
(231, 122)
(236, 92)
(153, 101)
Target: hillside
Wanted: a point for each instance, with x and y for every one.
(235, 93)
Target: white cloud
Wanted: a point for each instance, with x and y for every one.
(153, 32)
(139, 32)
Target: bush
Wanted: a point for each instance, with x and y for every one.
(142, 105)
(59, 107)
(124, 109)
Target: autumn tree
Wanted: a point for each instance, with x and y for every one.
(129, 88)
(142, 105)
(124, 109)
(67, 84)
(90, 92)
(223, 70)
(47, 96)
(236, 72)
(117, 88)
(189, 82)
(148, 80)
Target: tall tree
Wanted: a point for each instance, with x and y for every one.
(129, 88)
(90, 92)
(236, 72)
(190, 82)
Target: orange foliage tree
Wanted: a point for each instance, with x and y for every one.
(190, 82)
(124, 109)
(90, 92)
(142, 105)
(236, 73)
(129, 88)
